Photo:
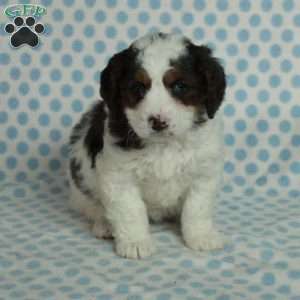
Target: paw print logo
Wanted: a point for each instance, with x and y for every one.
(24, 32)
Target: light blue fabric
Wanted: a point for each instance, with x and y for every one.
(48, 252)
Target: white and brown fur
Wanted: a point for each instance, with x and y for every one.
(152, 149)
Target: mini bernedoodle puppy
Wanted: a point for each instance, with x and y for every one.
(152, 149)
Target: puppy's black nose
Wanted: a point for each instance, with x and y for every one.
(157, 123)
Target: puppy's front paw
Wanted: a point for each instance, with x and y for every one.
(135, 249)
(205, 240)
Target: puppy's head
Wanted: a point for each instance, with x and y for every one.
(161, 86)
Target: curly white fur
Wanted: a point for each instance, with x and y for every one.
(176, 174)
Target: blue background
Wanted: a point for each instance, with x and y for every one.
(43, 92)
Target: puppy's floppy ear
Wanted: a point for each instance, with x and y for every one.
(212, 78)
(111, 76)
(113, 79)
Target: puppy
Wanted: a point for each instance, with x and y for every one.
(152, 149)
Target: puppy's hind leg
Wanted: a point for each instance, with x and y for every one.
(92, 210)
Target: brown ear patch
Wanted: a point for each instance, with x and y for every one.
(200, 79)
(119, 70)
(182, 86)
(171, 76)
(142, 76)
(211, 75)
(135, 88)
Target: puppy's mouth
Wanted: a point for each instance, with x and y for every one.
(162, 134)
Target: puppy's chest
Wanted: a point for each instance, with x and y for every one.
(164, 174)
(164, 193)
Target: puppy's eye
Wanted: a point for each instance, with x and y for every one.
(179, 87)
(138, 89)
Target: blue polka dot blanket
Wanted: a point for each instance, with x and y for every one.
(51, 75)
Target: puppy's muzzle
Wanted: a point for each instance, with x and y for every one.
(157, 123)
